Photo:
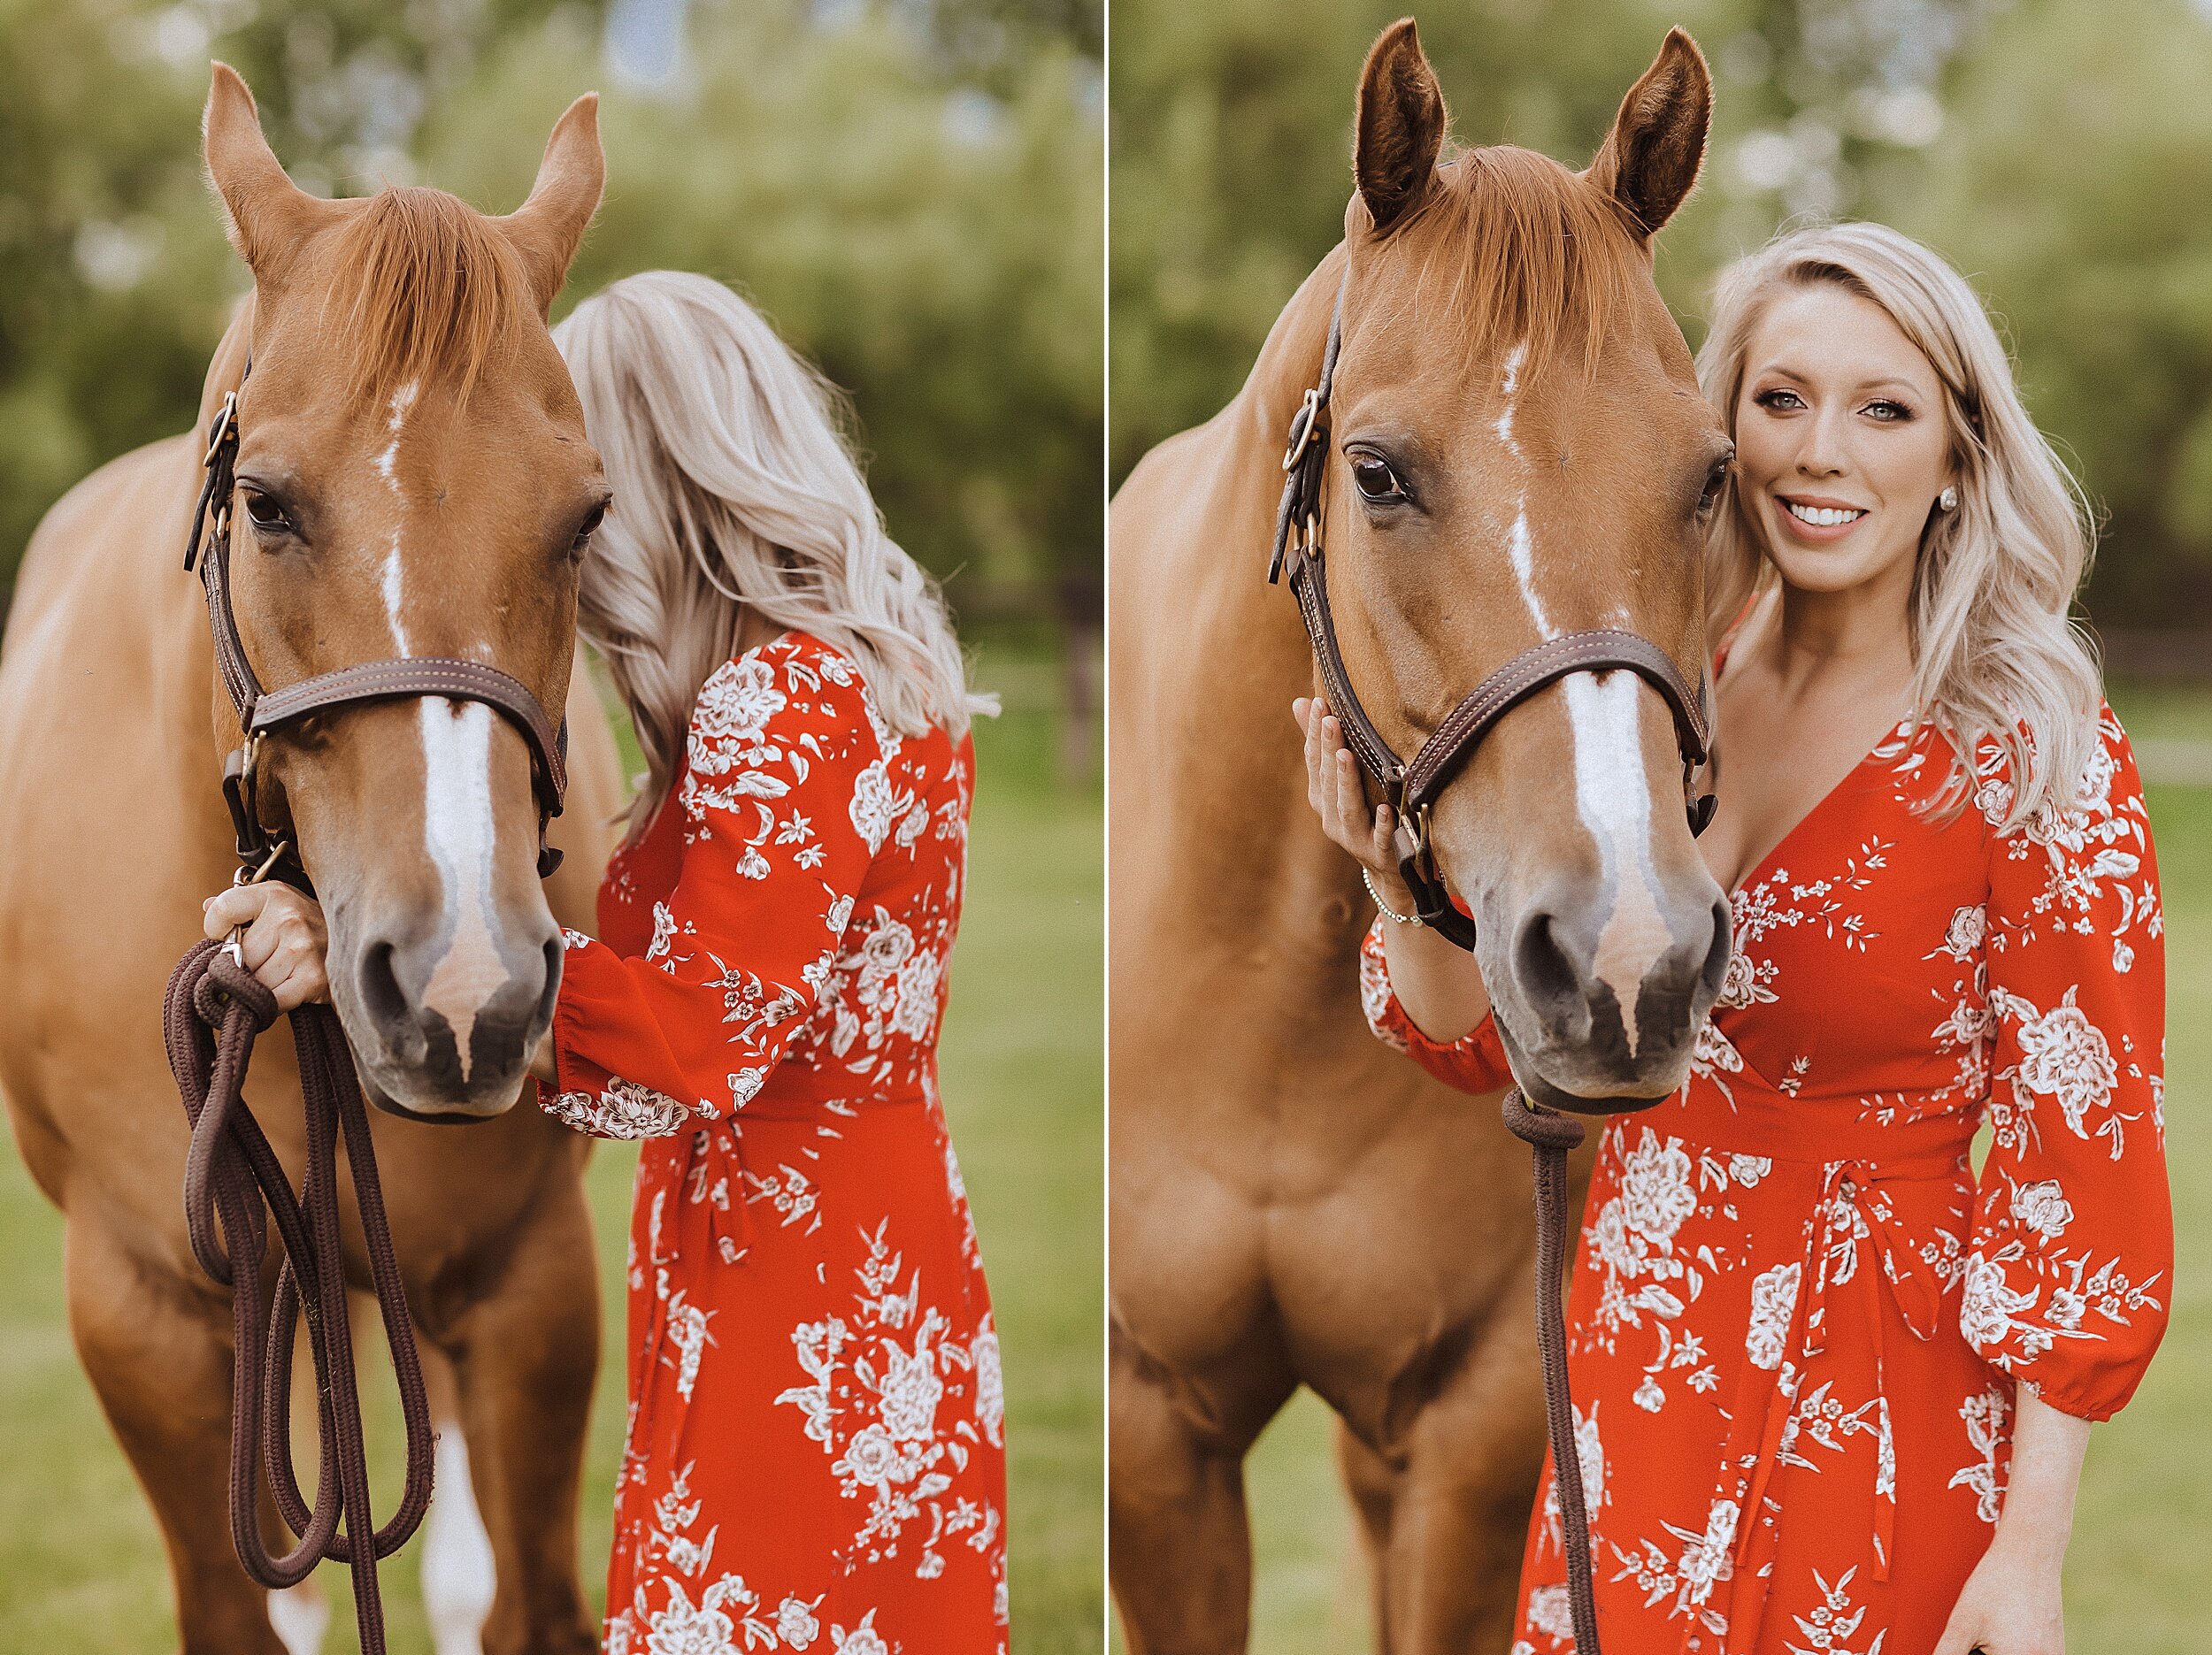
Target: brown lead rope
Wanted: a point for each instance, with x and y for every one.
(212, 1011)
(1550, 1136)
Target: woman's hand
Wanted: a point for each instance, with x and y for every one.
(1334, 790)
(285, 940)
(1438, 984)
(2010, 1603)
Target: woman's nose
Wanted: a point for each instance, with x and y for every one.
(1824, 453)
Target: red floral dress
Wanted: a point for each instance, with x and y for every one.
(1798, 1318)
(814, 1457)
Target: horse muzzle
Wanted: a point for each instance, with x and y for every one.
(444, 1026)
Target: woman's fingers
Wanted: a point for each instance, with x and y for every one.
(281, 938)
(1384, 837)
(226, 910)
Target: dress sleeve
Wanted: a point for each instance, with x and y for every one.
(1474, 1063)
(785, 802)
(2068, 1277)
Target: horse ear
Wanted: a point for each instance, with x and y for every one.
(1400, 127)
(548, 228)
(1650, 162)
(266, 216)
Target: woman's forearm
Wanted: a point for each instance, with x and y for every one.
(1436, 982)
(2048, 1448)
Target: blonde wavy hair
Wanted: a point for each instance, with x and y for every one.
(1996, 655)
(734, 488)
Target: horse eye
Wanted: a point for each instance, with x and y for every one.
(589, 527)
(1716, 480)
(1374, 480)
(265, 515)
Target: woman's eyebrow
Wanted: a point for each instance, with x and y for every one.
(1885, 381)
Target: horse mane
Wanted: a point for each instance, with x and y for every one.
(425, 290)
(1526, 254)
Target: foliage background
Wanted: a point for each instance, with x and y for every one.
(2059, 152)
(910, 189)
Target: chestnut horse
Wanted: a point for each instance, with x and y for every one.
(413, 477)
(1294, 1202)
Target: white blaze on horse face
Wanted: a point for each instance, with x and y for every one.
(459, 833)
(1520, 543)
(1613, 798)
(387, 464)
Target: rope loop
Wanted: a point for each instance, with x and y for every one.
(226, 983)
(236, 1192)
(1538, 1127)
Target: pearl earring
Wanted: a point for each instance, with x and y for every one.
(1948, 500)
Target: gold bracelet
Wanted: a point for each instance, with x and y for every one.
(1367, 877)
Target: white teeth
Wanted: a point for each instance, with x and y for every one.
(1822, 516)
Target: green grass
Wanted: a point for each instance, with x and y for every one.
(80, 1565)
(2134, 1576)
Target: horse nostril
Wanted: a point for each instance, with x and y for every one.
(1717, 953)
(381, 996)
(554, 952)
(1547, 977)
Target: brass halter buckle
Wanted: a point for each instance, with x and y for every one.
(1303, 426)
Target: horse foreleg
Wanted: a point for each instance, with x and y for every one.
(459, 1575)
(1448, 1555)
(524, 1358)
(1372, 1484)
(1182, 1542)
(157, 1351)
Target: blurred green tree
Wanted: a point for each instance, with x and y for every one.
(2068, 186)
(913, 192)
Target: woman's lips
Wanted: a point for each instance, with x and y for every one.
(1815, 521)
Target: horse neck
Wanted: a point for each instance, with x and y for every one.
(1258, 624)
(1202, 683)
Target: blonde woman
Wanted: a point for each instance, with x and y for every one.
(816, 1454)
(1833, 1389)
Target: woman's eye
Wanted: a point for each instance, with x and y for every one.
(1374, 480)
(1779, 400)
(265, 515)
(1889, 412)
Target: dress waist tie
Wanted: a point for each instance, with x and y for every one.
(701, 1210)
(1855, 1206)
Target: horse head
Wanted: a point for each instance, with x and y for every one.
(1521, 452)
(412, 480)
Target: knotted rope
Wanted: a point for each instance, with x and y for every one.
(211, 1013)
(1549, 1135)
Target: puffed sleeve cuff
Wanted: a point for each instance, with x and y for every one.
(1474, 1063)
(586, 1095)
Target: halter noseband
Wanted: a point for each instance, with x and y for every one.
(261, 712)
(1412, 788)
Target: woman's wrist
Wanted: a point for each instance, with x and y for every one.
(1390, 894)
(2037, 1520)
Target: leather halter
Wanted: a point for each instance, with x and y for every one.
(261, 712)
(1411, 788)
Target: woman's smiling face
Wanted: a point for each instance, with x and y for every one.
(1841, 442)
